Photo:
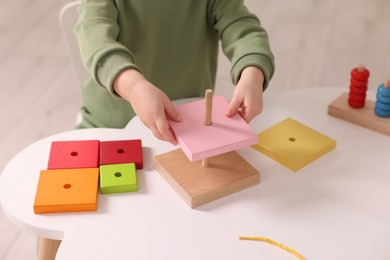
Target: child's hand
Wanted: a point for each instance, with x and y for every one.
(150, 104)
(248, 94)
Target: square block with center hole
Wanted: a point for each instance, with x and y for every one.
(197, 185)
(67, 190)
(74, 154)
(293, 144)
(122, 151)
(225, 134)
(118, 178)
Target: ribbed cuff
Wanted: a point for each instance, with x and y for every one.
(257, 60)
(110, 66)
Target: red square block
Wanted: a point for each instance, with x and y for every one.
(74, 154)
(124, 151)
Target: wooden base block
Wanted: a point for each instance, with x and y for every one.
(293, 144)
(197, 185)
(364, 117)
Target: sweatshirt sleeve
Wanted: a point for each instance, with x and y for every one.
(96, 31)
(244, 40)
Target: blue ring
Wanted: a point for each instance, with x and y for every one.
(384, 92)
(382, 99)
(382, 113)
(381, 106)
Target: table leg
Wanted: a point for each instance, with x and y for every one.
(47, 248)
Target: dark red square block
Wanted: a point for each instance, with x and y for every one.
(124, 151)
(74, 154)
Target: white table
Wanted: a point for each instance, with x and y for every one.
(337, 207)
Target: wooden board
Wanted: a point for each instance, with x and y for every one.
(197, 185)
(364, 117)
(293, 144)
(225, 134)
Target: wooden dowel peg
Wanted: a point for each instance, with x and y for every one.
(361, 68)
(205, 162)
(208, 107)
(386, 84)
(208, 96)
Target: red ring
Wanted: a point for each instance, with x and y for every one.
(359, 83)
(357, 90)
(355, 104)
(356, 97)
(360, 75)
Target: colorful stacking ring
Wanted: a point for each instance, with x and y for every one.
(383, 99)
(382, 113)
(359, 83)
(385, 107)
(356, 104)
(360, 75)
(382, 91)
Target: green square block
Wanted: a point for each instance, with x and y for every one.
(117, 178)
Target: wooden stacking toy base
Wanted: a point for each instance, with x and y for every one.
(364, 116)
(197, 185)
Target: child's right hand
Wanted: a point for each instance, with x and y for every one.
(150, 104)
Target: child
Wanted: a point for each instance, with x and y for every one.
(143, 53)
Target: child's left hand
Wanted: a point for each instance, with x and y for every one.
(248, 94)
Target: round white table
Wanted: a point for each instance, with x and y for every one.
(337, 207)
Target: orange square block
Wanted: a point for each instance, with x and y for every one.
(67, 190)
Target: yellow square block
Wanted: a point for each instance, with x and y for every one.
(293, 144)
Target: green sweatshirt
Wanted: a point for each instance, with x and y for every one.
(173, 43)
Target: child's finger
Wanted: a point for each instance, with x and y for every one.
(172, 112)
(165, 131)
(248, 113)
(233, 107)
(156, 132)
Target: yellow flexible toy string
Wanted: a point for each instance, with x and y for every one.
(267, 240)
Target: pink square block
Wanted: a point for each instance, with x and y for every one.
(74, 154)
(199, 141)
(123, 151)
